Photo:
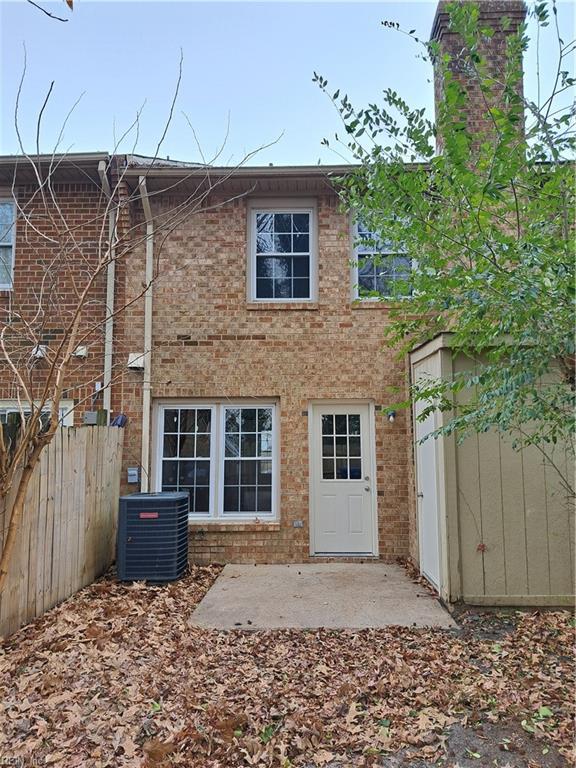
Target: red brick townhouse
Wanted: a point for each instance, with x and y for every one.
(252, 371)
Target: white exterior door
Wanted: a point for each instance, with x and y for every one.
(343, 509)
(427, 482)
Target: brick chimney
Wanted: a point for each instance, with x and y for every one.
(492, 48)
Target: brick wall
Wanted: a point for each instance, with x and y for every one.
(210, 342)
(57, 244)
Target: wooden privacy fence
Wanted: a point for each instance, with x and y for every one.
(68, 529)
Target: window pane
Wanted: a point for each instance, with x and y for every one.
(300, 288)
(283, 289)
(264, 222)
(231, 472)
(264, 288)
(170, 420)
(231, 499)
(248, 473)
(265, 444)
(187, 446)
(264, 419)
(282, 267)
(300, 266)
(169, 472)
(170, 446)
(6, 256)
(355, 469)
(187, 472)
(341, 446)
(203, 445)
(248, 499)
(301, 222)
(264, 472)
(282, 244)
(232, 445)
(202, 473)
(7, 213)
(282, 222)
(264, 243)
(328, 446)
(187, 420)
(248, 445)
(203, 420)
(327, 424)
(264, 500)
(341, 469)
(341, 426)
(354, 446)
(265, 266)
(202, 500)
(248, 419)
(354, 424)
(328, 469)
(300, 244)
(232, 419)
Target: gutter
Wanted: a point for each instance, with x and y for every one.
(110, 283)
(146, 386)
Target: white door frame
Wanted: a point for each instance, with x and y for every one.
(371, 441)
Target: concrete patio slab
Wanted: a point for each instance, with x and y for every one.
(309, 596)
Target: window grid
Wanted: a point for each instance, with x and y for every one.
(381, 272)
(283, 255)
(248, 436)
(341, 447)
(186, 454)
(7, 227)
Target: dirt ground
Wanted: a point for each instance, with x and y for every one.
(117, 676)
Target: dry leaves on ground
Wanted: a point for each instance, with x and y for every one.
(115, 676)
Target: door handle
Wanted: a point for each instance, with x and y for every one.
(366, 487)
(420, 495)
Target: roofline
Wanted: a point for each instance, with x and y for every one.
(75, 157)
(242, 170)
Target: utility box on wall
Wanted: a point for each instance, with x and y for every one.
(495, 526)
(152, 540)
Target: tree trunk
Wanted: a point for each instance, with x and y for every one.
(15, 516)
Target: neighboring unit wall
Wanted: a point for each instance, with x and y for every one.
(509, 526)
(211, 342)
(45, 260)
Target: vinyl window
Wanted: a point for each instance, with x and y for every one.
(282, 254)
(7, 240)
(380, 271)
(223, 455)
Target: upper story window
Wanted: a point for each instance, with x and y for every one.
(282, 254)
(7, 239)
(380, 271)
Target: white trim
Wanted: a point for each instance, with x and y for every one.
(281, 205)
(371, 440)
(217, 407)
(65, 409)
(10, 286)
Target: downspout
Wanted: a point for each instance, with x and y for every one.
(110, 281)
(146, 386)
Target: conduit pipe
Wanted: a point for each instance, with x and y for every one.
(110, 284)
(147, 383)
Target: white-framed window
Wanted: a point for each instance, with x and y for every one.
(282, 253)
(223, 454)
(379, 271)
(7, 242)
(65, 411)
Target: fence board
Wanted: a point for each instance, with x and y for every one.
(67, 532)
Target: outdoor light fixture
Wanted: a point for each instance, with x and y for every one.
(391, 416)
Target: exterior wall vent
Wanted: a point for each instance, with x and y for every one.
(152, 536)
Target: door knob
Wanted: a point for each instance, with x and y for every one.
(366, 487)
